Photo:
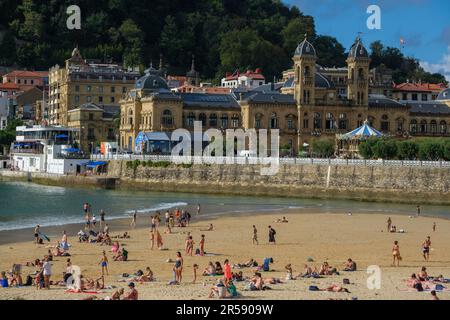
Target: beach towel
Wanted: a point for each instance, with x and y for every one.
(87, 292)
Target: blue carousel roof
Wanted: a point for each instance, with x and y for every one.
(363, 132)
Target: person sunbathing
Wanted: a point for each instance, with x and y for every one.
(115, 247)
(133, 294)
(289, 272)
(106, 240)
(272, 281)
(210, 270)
(423, 275)
(327, 270)
(210, 228)
(284, 220)
(350, 265)
(146, 277)
(116, 295)
(414, 282)
(249, 264)
(218, 289)
(335, 288)
(257, 282)
(219, 270)
(238, 276)
(122, 255)
(124, 236)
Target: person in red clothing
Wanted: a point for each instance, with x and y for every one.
(227, 271)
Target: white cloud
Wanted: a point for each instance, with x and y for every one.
(442, 66)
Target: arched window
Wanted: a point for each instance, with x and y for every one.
(371, 121)
(213, 120)
(400, 124)
(433, 126)
(343, 121)
(130, 117)
(384, 123)
(273, 122)
(224, 121)
(307, 72)
(235, 120)
(202, 118)
(413, 126)
(258, 118)
(423, 126)
(329, 121)
(167, 118)
(190, 119)
(290, 122)
(317, 121)
(443, 127)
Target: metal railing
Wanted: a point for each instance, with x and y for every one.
(256, 160)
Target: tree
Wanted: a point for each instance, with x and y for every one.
(323, 148)
(431, 150)
(330, 53)
(295, 31)
(376, 57)
(385, 149)
(407, 150)
(366, 148)
(8, 49)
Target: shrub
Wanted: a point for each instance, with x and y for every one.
(385, 149)
(407, 150)
(431, 150)
(323, 148)
(366, 148)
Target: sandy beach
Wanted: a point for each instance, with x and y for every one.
(322, 237)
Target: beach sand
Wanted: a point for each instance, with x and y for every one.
(323, 237)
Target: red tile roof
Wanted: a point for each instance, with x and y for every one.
(250, 74)
(428, 87)
(27, 74)
(9, 86)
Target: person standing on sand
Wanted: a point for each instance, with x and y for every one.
(418, 210)
(272, 234)
(434, 226)
(178, 268)
(255, 235)
(102, 218)
(37, 230)
(389, 223)
(426, 248)
(104, 264)
(202, 245)
(159, 241)
(152, 239)
(198, 208)
(133, 220)
(396, 254)
(194, 270)
(47, 272)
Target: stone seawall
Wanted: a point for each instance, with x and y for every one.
(58, 180)
(369, 183)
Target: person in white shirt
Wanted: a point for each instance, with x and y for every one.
(47, 272)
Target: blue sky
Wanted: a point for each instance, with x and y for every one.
(424, 24)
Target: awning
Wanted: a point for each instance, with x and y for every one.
(94, 164)
(72, 150)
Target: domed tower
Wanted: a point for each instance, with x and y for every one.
(305, 73)
(358, 74)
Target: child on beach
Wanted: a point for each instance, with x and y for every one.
(104, 264)
(159, 241)
(194, 270)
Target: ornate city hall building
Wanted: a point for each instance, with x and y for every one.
(305, 107)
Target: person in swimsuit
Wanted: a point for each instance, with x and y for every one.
(272, 233)
(178, 268)
(133, 220)
(255, 235)
(396, 254)
(194, 270)
(418, 210)
(202, 245)
(159, 241)
(153, 223)
(133, 294)
(189, 246)
(36, 233)
(389, 223)
(426, 248)
(104, 264)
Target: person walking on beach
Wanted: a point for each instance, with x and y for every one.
(102, 218)
(418, 210)
(104, 263)
(159, 241)
(106, 229)
(272, 234)
(134, 219)
(37, 231)
(178, 268)
(434, 226)
(94, 221)
(152, 239)
(198, 208)
(389, 224)
(153, 223)
(255, 235)
(426, 248)
(396, 254)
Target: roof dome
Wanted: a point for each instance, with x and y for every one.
(358, 50)
(444, 95)
(305, 48)
(151, 81)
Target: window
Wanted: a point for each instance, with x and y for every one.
(167, 118)
(329, 122)
(113, 89)
(404, 96)
(88, 88)
(124, 89)
(91, 116)
(32, 81)
(384, 124)
(423, 126)
(113, 100)
(100, 99)
(400, 123)
(213, 120)
(273, 123)
(343, 121)
(88, 99)
(424, 97)
(258, 121)
(111, 134)
(235, 121)
(317, 121)
(433, 126)
(202, 118)
(91, 134)
(290, 124)
(77, 88)
(224, 121)
(100, 89)
(443, 127)
(414, 97)
(190, 119)
(413, 126)
(77, 99)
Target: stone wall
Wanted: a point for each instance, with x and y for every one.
(370, 183)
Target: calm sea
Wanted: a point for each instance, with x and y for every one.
(23, 205)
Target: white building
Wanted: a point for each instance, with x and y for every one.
(247, 80)
(46, 149)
